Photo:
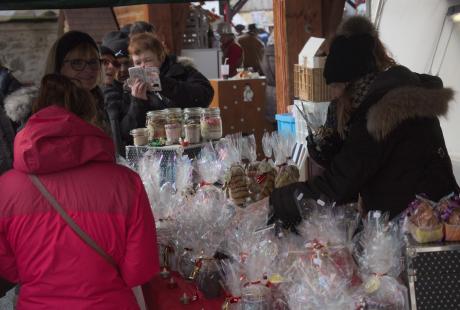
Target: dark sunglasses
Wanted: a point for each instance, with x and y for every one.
(80, 64)
(114, 63)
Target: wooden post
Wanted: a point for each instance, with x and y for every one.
(170, 21)
(295, 21)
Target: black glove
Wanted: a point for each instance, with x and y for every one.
(285, 208)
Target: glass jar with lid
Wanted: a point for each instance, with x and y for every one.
(192, 125)
(192, 115)
(211, 124)
(173, 125)
(156, 121)
(140, 136)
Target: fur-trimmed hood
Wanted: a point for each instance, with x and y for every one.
(18, 104)
(420, 96)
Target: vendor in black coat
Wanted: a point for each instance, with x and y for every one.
(182, 85)
(393, 145)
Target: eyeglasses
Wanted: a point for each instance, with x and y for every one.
(80, 64)
(114, 63)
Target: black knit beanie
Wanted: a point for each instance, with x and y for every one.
(350, 58)
(118, 42)
(68, 42)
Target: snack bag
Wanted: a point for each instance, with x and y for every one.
(424, 224)
(449, 207)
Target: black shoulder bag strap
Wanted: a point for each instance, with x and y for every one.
(80, 233)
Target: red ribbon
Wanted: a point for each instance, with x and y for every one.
(252, 283)
(261, 178)
(233, 299)
(203, 183)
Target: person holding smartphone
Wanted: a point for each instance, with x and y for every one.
(182, 86)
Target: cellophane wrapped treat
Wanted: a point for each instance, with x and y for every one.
(266, 173)
(379, 253)
(313, 285)
(235, 179)
(323, 271)
(449, 207)
(256, 294)
(231, 272)
(288, 172)
(424, 222)
(249, 156)
(149, 165)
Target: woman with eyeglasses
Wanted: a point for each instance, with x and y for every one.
(76, 56)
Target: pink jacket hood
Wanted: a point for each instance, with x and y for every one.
(55, 139)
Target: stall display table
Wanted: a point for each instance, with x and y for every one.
(168, 153)
(158, 295)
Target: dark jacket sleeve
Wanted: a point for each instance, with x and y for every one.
(326, 142)
(194, 91)
(357, 161)
(134, 117)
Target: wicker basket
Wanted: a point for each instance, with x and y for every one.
(309, 84)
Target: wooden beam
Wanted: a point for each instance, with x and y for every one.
(170, 21)
(236, 8)
(295, 21)
(332, 12)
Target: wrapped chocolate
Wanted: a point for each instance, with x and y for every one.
(424, 223)
(379, 253)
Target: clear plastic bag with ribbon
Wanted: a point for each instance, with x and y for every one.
(379, 253)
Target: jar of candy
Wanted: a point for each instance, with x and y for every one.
(211, 124)
(140, 136)
(156, 121)
(173, 125)
(192, 115)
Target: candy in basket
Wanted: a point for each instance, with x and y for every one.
(379, 253)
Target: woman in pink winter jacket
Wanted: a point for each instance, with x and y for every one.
(75, 161)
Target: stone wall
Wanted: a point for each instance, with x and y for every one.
(24, 47)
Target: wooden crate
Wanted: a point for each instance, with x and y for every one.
(310, 85)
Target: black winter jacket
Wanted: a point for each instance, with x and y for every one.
(182, 87)
(8, 84)
(395, 148)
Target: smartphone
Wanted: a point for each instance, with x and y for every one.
(152, 77)
(136, 73)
